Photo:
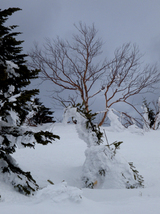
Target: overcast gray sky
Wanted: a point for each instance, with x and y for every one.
(118, 22)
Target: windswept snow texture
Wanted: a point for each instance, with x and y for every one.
(61, 163)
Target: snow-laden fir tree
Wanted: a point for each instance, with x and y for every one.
(148, 115)
(104, 167)
(14, 107)
(157, 117)
(151, 116)
(39, 114)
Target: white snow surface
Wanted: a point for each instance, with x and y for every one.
(61, 162)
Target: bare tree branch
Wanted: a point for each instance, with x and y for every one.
(73, 67)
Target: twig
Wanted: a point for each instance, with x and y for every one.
(106, 137)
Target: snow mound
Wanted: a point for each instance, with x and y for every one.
(115, 124)
(59, 192)
(135, 129)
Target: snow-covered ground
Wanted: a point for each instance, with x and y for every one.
(61, 162)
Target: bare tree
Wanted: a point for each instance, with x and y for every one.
(74, 67)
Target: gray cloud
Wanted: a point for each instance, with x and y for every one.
(118, 22)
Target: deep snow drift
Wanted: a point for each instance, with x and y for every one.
(61, 163)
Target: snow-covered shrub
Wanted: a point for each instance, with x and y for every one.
(104, 167)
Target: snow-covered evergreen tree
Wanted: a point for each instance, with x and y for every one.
(14, 107)
(104, 167)
(151, 116)
(148, 115)
(157, 117)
